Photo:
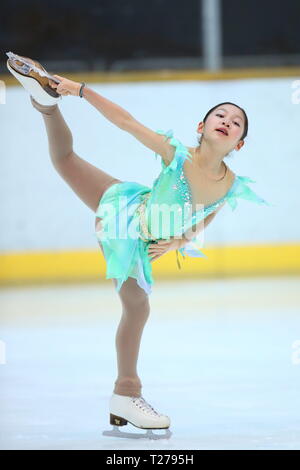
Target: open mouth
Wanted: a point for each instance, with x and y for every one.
(221, 131)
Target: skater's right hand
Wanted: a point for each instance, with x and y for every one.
(162, 246)
(66, 86)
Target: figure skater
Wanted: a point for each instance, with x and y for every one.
(190, 177)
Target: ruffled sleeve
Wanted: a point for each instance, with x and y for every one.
(243, 191)
(181, 151)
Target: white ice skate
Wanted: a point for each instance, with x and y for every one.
(34, 78)
(136, 411)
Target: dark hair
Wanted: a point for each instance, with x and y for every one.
(245, 116)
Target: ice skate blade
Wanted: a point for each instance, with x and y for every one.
(37, 86)
(119, 421)
(115, 432)
(24, 65)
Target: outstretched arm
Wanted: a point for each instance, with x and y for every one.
(112, 111)
(118, 116)
(125, 121)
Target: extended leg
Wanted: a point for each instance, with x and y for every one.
(135, 312)
(86, 180)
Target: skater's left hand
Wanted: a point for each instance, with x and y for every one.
(66, 86)
(156, 250)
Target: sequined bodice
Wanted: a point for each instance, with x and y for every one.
(184, 188)
(172, 187)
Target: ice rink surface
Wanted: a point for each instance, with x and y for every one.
(220, 357)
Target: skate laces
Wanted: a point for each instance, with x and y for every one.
(141, 403)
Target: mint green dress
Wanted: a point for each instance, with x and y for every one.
(124, 242)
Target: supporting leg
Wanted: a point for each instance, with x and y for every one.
(135, 312)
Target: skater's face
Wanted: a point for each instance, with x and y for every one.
(231, 119)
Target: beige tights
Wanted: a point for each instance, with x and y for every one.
(90, 183)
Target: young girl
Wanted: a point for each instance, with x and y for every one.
(191, 178)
